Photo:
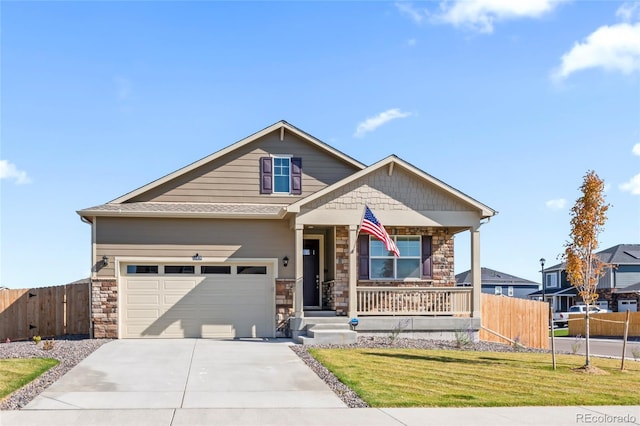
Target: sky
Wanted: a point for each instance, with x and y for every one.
(509, 102)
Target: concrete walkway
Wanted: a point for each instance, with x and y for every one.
(505, 416)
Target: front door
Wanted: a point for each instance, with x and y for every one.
(311, 273)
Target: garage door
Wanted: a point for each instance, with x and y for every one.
(627, 305)
(211, 301)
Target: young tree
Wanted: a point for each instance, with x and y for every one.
(584, 267)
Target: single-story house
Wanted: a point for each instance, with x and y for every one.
(618, 289)
(261, 239)
(499, 283)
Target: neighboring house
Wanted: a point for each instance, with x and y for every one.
(618, 289)
(499, 283)
(261, 239)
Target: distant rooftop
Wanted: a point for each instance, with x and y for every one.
(491, 276)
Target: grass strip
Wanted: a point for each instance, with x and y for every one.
(443, 378)
(17, 372)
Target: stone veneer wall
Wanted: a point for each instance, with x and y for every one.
(442, 263)
(284, 297)
(341, 284)
(104, 308)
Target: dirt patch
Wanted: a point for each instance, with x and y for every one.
(590, 369)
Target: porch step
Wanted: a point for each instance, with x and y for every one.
(329, 334)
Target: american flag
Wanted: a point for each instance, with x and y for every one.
(371, 225)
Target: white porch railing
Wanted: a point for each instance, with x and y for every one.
(413, 300)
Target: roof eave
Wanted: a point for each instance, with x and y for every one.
(182, 215)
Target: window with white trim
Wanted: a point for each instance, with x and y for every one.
(510, 291)
(383, 264)
(497, 290)
(281, 174)
(551, 280)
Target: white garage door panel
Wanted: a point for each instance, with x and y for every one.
(142, 284)
(224, 306)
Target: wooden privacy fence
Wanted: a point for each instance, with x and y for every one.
(45, 312)
(605, 328)
(523, 321)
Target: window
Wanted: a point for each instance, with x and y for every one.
(384, 265)
(510, 291)
(215, 269)
(179, 269)
(142, 269)
(498, 290)
(551, 280)
(260, 270)
(281, 174)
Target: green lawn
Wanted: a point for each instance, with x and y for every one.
(560, 333)
(442, 378)
(17, 372)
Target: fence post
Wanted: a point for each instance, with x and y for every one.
(553, 337)
(624, 340)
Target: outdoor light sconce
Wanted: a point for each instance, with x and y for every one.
(105, 260)
(285, 261)
(196, 257)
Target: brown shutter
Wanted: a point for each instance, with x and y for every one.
(363, 257)
(427, 271)
(266, 175)
(296, 175)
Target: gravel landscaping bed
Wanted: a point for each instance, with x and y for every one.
(350, 398)
(69, 350)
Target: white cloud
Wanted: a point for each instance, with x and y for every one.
(633, 186)
(372, 123)
(481, 15)
(636, 149)
(10, 171)
(629, 11)
(613, 48)
(557, 204)
(415, 15)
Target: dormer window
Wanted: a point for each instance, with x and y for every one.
(281, 174)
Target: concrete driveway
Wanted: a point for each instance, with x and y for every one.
(189, 373)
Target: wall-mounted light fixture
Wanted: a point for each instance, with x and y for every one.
(285, 261)
(105, 260)
(196, 257)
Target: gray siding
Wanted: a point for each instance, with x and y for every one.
(138, 237)
(235, 177)
(626, 275)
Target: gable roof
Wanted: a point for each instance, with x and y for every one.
(491, 276)
(621, 254)
(280, 125)
(391, 161)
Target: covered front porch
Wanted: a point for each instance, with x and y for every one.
(330, 288)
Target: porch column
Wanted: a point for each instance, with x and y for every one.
(353, 276)
(298, 297)
(476, 280)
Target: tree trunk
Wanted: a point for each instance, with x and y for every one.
(586, 332)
